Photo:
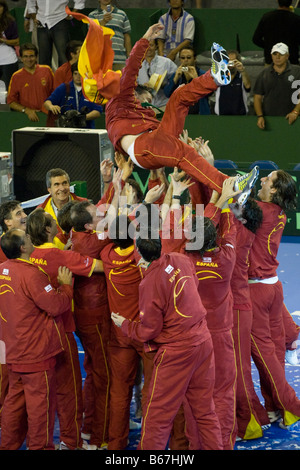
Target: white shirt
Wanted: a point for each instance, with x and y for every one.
(158, 65)
(7, 54)
(51, 12)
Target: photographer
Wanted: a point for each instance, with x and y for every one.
(184, 74)
(234, 100)
(68, 104)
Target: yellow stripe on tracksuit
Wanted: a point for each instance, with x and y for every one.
(149, 404)
(253, 430)
(288, 417)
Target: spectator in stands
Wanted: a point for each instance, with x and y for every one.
(178, 32)
(52, 27)
(111, 16)
(274, 93)
(69, 96)
(9, 39)
(281, 25)
(232, 100)
(64, 73)
(185, 73)
(156, 64)
(31, 85)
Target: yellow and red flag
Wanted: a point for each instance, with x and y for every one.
(99, 81)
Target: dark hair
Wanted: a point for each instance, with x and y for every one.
(28, 46)
(11, 243)
(149, 248)
(74, 67)
(253, 214)
(139, 193)
(6, 209)
(80, 216)
(286, 191)
(139, 89)
(64, 216)
(188, 47)
(36, 224)
(6, 17)
(53, 173)
(234, 51)
(72, 47)
(119, 232)
(147, 216)
(210, 233)
(284, 3)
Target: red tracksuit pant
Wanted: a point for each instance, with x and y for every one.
(124, 357)
(162, 146)
(250, 413)
(268, 347)
(3, 386)
(94, 339)
(291, 328)
(69, 394)
(181, 372)
(29, 410)
(224, 393)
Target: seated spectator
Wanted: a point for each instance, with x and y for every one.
(9, 39)
(185, 73)
(69, 97)
(274, 93)
(64, 73)
(156, 64)
(111, 16)
(178, 32)
(232, 99)
(280, 25)
(31, 85)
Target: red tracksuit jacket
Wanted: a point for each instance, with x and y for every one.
(171, 310)
(29, 307)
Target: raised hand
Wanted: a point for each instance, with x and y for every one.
(153, 32)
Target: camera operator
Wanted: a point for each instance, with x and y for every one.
(68, 104)
(186, 71)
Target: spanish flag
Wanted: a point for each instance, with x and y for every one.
(99, 81)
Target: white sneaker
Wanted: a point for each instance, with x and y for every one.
(264, 427)
(219, 67)
(85, 436)
(134, 425)
(274, 416)
(282, 425)
(245, 184)
(63, 446)
(291, 357)
(87, 446)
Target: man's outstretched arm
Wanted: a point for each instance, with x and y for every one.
(136, 58)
